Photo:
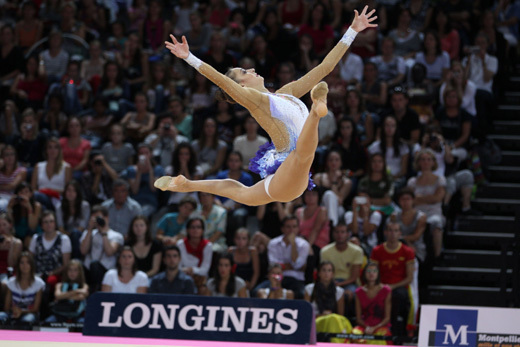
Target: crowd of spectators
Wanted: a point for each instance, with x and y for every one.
(95, 109)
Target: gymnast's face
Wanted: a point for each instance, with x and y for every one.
(248, 78)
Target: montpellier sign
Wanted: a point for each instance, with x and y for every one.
(465, 326)
(189, 317)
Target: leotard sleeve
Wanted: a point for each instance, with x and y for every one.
(302, 86)
(248, 97)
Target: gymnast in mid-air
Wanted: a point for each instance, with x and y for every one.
(285, 163)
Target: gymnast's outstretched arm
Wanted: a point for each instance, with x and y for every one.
(302, 86)
(248, 97)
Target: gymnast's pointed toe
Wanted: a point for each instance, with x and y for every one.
(163, 182)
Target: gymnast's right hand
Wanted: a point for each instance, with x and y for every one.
(180, 50)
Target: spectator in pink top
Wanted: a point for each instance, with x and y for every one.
(314, 222)
(76, 150)
(373, 304)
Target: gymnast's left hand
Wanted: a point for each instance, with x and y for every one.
(363, 20)
(180, 50)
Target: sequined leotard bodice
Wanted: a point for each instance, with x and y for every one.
(292, 112)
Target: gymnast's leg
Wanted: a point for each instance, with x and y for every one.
(234, 190)
(292, 177)
(289, 181)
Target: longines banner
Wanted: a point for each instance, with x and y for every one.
(464, 326)
(199, 318)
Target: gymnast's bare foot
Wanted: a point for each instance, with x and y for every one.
(319, 99)
(174, 184)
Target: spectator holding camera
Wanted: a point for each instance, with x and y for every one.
(466, 89)
(142, 177)
(275, 289)
(164, 140)
(30, 142)
(97, 182)
(448, 160)
(99, 245)
(363, 222)
(481, 68)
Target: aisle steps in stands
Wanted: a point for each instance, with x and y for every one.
(508, 112)
(503, 190)
(477, 265)
(467, 295)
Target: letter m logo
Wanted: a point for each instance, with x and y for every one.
(456, 328)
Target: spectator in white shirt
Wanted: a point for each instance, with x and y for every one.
(126, 278)
(99, 244)
(481, 67)
(248, 143)
(351, 68)
(290, 251)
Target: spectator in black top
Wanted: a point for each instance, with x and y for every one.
(217, 55)
(455, 123)
(173, 280)
(147, 250)
(11, 59)
(30, 143)
(353, 155)
(407, 119)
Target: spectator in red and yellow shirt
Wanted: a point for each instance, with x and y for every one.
(396, 265)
